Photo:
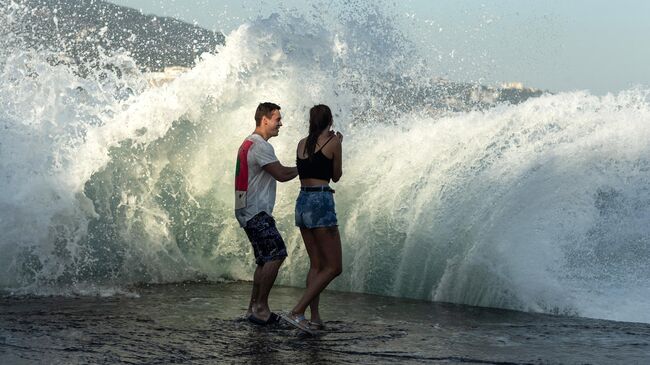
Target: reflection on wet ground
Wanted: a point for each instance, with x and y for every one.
(202, 324)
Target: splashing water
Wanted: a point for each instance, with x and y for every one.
(540, 206)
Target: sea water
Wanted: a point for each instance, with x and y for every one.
(202, 323)
(106, 182)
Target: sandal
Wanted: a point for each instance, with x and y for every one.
(273, 318)
(316, 325)
(299, 321)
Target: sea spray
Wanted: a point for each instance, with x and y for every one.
(447, 195)
(507, 207)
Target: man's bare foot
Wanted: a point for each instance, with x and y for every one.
(262, 313)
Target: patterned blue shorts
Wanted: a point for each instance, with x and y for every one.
(316, 209)
(267, 243)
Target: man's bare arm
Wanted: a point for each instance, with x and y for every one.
(279, 172)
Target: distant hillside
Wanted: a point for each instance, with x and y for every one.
(81, 29)
(401, 94)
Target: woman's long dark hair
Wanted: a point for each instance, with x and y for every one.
(320, 117)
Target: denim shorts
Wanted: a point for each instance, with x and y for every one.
(267, 243)
(316, 209)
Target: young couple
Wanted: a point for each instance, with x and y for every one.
(318, 160)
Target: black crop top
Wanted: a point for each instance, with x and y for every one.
(320, 167)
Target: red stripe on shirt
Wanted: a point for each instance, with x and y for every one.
(241, 172)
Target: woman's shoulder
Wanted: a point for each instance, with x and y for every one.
(301, 143)
(335, 139)
(332, 141)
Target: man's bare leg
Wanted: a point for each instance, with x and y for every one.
(264, 282)
(256, 289)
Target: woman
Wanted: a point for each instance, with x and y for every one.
(318, 161)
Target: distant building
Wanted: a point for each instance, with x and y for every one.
(516, 85)
(169, 74)
(513, 85)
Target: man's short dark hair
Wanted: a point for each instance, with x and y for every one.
(264, 110)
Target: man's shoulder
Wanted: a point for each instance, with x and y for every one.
(245, 146)
(263, 144)
(255, 141)
(248, 140)
(262, 151)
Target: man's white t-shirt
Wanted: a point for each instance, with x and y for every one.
(254, 187)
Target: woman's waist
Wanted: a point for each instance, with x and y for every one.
(323, 187)
(313, 182)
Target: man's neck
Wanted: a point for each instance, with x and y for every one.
(261, 133)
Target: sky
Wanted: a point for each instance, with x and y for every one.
(556, 45)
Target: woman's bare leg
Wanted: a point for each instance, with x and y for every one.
(314, 267)
(328, 248)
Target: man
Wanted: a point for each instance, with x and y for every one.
(255, 179)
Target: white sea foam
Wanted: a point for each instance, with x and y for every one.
(540, 206)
